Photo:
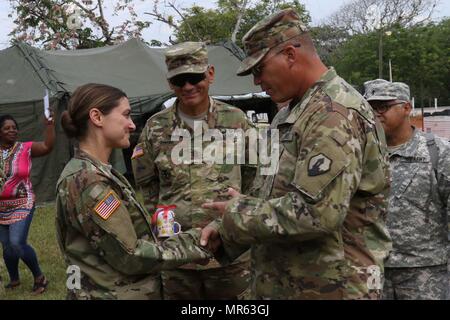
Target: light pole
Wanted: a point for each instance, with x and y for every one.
(380, 55)
(373, 18)
(388, 33)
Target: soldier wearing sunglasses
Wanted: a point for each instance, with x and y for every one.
(188, 185)
(419, 200)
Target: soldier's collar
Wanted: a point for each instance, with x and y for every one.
(210, 117)
(411, 147)
(328, 76)
(297, 109)
(80, 154)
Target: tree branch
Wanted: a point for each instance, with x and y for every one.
(241, 10)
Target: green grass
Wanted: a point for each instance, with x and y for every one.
(42, 238)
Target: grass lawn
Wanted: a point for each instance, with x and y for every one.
(42, 238)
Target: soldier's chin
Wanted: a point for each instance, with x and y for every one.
(124, 144)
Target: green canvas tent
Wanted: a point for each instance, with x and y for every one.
(25, 73)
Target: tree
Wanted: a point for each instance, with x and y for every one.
(354, 18)
(229, 21)
(420, 57)
(266, 7)
(363, 16)
(72, 24)
(327, 40)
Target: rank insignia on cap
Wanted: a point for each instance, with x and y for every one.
(318, 165)
(137, 152)
(107, 206)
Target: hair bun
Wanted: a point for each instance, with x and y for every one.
(69, 127)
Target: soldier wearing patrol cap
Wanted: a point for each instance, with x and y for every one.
(103, 232)
(419, 200)
(187, 184)
(317, 229)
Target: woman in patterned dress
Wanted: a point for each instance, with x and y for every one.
(17, 199)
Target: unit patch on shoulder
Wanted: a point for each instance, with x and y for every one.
(318, 165)
(137, 152)
(107, 206)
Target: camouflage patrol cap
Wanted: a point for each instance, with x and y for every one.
(268, 33)
(383, 90)
(186, 57)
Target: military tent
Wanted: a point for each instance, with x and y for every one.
(25, 73)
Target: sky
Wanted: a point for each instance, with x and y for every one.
(319, 11)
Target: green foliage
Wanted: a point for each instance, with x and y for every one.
(420, 57)
(327, 40)
(205, 25)
(216, 25)
(267, 7)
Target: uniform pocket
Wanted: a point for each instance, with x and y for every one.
(318, 170)
(171, 171)
(412, 183)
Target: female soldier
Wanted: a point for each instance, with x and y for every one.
(103, 231)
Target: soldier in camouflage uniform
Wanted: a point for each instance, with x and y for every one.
(419, 203)
(102, 229)
(190, 183)
(317, 229)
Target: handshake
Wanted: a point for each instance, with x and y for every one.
(210, 238)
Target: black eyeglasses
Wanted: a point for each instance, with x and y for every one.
(257, 70)
(382, 107)
(192, 78)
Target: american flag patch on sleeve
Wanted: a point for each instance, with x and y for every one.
(106, 207)
(137, 152)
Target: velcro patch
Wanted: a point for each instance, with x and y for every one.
(107, 206)
(318, 165)
(137, 152)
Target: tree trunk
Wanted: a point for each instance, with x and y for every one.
(240, 11)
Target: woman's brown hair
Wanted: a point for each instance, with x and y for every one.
(92, 95)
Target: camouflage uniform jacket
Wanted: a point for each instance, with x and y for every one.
(419, 204)
(188, 185)
(117, 255)
(317, 230)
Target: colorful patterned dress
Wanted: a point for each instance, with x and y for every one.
(17, 197)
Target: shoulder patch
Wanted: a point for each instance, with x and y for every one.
(137, 152)
(107, 206)
(318, 165)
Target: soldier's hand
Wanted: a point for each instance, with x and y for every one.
(220, 206)
(210, 239)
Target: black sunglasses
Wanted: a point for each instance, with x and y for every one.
(192, 78)
(382, 107)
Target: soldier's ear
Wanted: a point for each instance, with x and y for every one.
(407, 108)
(291, 53)
(96, 117)
(211, 72)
